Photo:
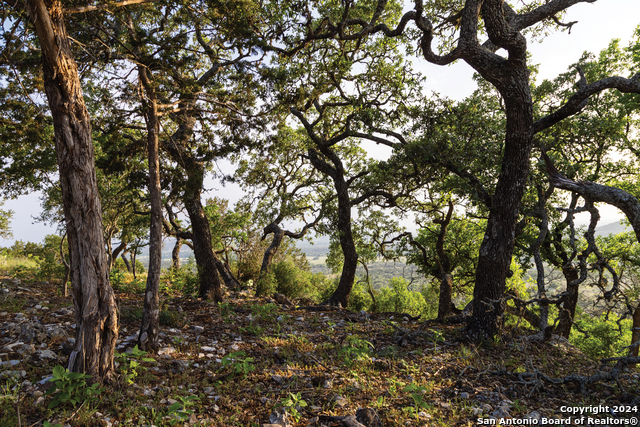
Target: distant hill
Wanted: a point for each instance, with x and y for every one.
(319, 248)
(612, 228)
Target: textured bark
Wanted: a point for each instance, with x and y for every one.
(570, 301)
(175, 254)
(445, 306)
(335, 170)
(116, 253)
(497, 246)
(348, 276)
(210, 286)
(126, 261)
(93, 298)
(67, 268)
(278, 235)
(148, 336)
(635, 333)
(594, 192)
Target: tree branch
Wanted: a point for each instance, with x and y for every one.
(84, 9)
(579, 99)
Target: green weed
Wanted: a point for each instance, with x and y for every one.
(293, 403)
(239, 363)
(70, 387)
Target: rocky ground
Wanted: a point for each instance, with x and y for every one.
(256, 362)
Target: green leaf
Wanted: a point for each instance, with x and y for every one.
(175, 407)
(58, 372)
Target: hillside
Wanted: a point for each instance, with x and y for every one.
(239, 363)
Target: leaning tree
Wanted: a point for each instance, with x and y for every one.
(94, 301)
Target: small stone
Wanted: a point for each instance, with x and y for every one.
(166, 351)
(464, 395)
(39, 401)
(368, 417)
(340, 401)
(46, 354)
(198, 329)
(534, 415)
(424, 415)
(207, 349)
(277, 378)
(501, 412)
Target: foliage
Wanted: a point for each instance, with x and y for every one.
(49, 259)
(354, 350)
(604, 336)
(122, 281)
(267, 284)
(417, 394)
(181, 408)
(130, 364)
(293, 403)
(70, 387)
(5, 219)
(182, 281)
(238, 363)
(360, 298)
(398, 297)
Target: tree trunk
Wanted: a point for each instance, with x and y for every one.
(496, 249)
(635, 332)
(126, 261)
(133, 263)
(210, 286)
(278, 235)
(175, 254)
(445, 306)
(67, 268)
(341, 294)
(93, 298)
(148, 337)
(116, 253)
(568, 310)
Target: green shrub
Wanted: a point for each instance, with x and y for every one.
(183, 280)
(267, 284)
(287, 278)
(320, 287)
(604, 337)
(70, 387)
(398, 298)
(360, 299)
(120, 265)
(50, 267)
(290, 280)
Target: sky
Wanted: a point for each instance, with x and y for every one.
(598, 23)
